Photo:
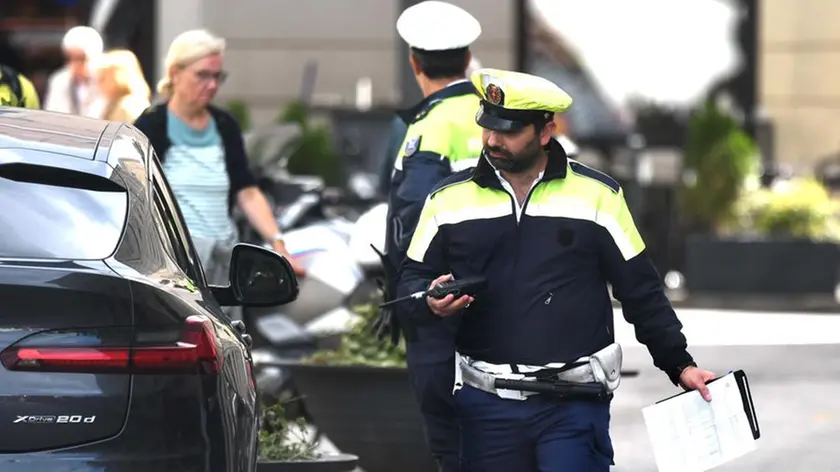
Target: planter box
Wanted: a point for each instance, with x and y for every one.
(335, 463)
(760, 267)
(368, 411)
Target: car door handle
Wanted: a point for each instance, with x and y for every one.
(249, 341)
(239, 325)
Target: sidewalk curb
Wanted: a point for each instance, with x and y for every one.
(816, 304)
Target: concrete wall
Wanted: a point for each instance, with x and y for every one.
(271, 41)
(800, 67)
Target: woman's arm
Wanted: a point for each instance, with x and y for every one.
(255, 206)
(244, 186)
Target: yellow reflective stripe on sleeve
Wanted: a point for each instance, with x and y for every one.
(30, 95)
(613, 216)
(424, 233)
(620, 213)
(457, 203)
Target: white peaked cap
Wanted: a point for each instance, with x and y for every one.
(437, 26)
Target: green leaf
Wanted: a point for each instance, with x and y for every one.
(720, 155)
(281, 440)
(360, 346)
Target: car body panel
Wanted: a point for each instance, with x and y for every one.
(181, 422)
(60, 133)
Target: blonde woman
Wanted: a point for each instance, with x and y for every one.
(202, 154)
(122, 86)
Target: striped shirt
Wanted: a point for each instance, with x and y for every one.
(196, 170)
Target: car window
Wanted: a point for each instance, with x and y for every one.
(57, 220)
(179, 235)
(167, 235)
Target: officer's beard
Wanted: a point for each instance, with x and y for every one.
(514, 163)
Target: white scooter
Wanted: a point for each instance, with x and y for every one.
(341, 268)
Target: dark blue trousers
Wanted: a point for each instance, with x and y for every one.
(540, 434)
(431, 367)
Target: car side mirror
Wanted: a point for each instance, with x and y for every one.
(258, 277)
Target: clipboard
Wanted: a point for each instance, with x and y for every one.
(746, 397)
(689, 434)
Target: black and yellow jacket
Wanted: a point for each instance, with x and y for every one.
(16, 90)
(548, 269)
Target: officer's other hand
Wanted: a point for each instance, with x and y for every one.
(447, 305)
(694, 378)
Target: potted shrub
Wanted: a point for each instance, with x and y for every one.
(240, 111)
(782, 241)
(286, 447)
(720, 159)
(359, 397)
(312, 151)
(777, 241)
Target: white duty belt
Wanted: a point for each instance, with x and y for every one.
(602, 367)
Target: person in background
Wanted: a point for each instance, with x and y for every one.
(395, 139)
(122, 87)
(201, 151)
(396, 136)
(16, 90)
(442, 137)
(73, 89)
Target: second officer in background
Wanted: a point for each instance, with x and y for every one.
(442, 138)
(16, 90)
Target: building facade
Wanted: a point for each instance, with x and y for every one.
(799, 70)
(271, 42)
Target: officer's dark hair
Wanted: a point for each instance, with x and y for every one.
(442, 64)
(541, 123)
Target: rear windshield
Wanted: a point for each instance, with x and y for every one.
(51, 222)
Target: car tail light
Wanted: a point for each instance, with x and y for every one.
(194, 352)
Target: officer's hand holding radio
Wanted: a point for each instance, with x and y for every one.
(448, 305)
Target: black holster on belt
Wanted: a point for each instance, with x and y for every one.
(388, 322)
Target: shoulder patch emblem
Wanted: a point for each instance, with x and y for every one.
(495, 95)
(412, 145)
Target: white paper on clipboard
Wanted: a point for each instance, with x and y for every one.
(689, 434)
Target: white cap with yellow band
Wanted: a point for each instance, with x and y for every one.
(511, 100)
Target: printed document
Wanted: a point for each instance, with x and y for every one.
(689, 434)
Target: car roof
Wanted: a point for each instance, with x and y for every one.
(60, 133)
(72, 141)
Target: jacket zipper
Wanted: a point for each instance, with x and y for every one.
(518, 219)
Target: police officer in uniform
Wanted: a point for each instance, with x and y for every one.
(16, 90)
(441, 138)
(549, 234)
